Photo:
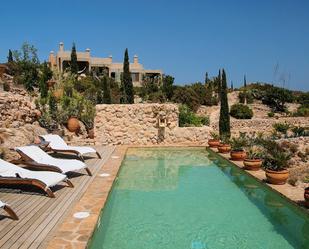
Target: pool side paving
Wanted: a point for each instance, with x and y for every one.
(293, 193)
(75, 232)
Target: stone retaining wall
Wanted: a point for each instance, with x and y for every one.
(263, 124)
(140, 124)
(16, 109)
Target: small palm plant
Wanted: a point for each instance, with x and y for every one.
(239, 143)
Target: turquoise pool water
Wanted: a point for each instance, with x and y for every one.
(187, 198)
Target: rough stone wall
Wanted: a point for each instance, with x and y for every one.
(139, 124)
(263, 124)
(16, 109)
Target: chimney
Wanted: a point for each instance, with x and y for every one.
(88, 51)
(110, 58)
(52, 58)
(61, 47)
(135, 60)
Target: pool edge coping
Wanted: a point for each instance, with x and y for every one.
(279, 189)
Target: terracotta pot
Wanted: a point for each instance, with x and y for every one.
(238, 155)
(213, 143)
(306, 196)
(277, 177)
(224, 148)
(91, 133)
(252, 164)
(73, 125)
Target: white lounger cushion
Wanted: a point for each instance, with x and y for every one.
(40, 156)
(2, 204)
(49, 178)
(57, 143)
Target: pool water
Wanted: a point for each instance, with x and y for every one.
(174, 198)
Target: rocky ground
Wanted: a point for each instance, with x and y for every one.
(299, 164)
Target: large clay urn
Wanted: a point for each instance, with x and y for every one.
(252, 164)
(213, 143)
(306, 196)
(73, 125)
(238, 155)
(277, 177)
(224, 148)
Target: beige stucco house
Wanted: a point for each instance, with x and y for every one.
(61, 60)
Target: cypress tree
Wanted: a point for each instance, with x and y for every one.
(224, 121)
(45, 76)
(74, 64)
(10, 56)
(206, 78)
(107, 99)
(167, 86)
(127, 80)
(245, 90)
(219, 84)
(232, 86)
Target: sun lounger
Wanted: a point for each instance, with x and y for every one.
(35, 157)
(57, 144)
(9, 210)
(11, 174)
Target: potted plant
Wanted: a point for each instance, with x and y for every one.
(306, 196)
(253, 160)
(224, 147)
(214, 141)
(238, 143)
(276, 162)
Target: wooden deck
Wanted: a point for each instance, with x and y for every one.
(38, 214)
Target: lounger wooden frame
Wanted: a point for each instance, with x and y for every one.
(79, 155)
(32, 182)
(10, 212)
(24, 159)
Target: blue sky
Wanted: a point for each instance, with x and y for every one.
(268, 40)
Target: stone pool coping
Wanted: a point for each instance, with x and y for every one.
(294, 194)
(76, 233)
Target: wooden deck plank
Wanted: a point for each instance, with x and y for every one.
(44, 228)
(53, 222)
(40, 215)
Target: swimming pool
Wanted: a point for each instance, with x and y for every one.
(174, 198)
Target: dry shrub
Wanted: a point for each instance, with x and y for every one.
(298, 174)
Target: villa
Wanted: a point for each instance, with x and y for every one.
(61, 60)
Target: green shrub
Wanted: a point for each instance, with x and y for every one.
(271, 114)
(241, 111)
(276, 97)
(6, 87)
(205, 120)
(188, 118)
(298, 131)
(302, 111)
(281, 127)
(245, 95)
(186, 96)
(157, 97)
